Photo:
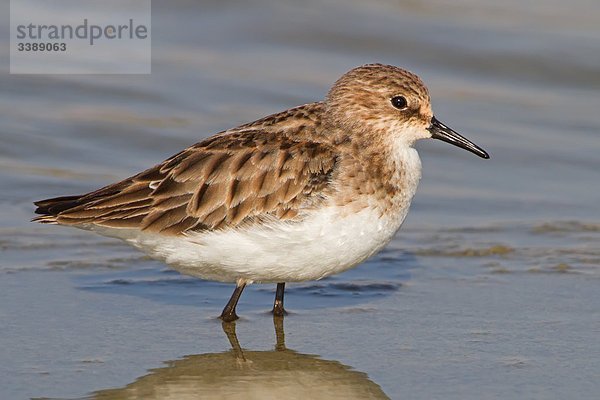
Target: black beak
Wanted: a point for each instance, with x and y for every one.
(445, 134)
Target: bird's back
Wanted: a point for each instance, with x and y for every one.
(275, 167)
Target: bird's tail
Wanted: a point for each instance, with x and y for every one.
(50, 208)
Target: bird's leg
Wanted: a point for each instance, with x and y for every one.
(228, 314)
(278, 310)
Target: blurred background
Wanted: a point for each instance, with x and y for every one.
(490, 289)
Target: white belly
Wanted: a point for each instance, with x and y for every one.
(322, 245)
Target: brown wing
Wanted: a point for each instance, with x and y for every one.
(227, 180)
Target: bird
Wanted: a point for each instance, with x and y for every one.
(295, 196)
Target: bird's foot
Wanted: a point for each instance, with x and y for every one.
(228, 316)
(278, 310)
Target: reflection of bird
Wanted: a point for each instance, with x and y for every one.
(240, 374)
(295, 196)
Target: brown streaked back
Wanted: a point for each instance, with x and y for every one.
(234, 178)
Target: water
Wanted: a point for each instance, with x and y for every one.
(490, 290)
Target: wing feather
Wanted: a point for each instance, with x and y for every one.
(228, 180)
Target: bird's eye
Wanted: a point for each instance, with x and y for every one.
(399, 102)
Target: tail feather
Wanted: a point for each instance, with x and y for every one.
(129, 196)
(57, 204)
(50, 208)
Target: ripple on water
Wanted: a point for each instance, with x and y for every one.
(565, 227)
(494, 250)
(565, 247)
(356, 288)
(32, 248)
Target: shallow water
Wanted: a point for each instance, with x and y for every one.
(490, 290)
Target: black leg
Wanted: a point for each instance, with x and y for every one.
(278, 310)
(228, 313)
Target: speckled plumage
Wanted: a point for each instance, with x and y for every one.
(297, 195)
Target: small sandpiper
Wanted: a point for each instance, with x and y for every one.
(298, 195)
